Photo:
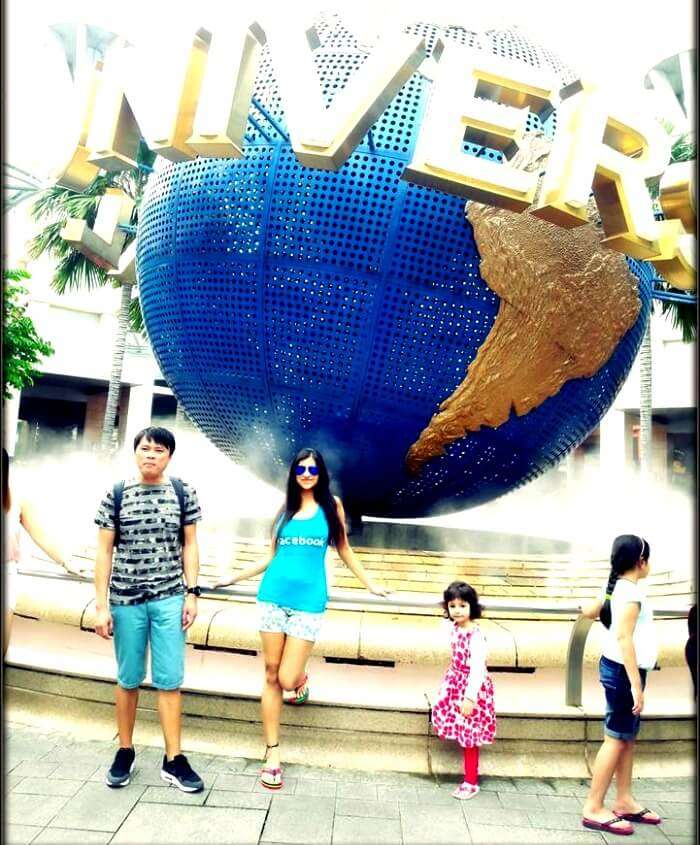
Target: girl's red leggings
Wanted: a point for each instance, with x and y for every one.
(471, 765)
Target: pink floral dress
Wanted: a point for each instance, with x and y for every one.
(449, 723)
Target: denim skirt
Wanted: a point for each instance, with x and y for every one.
(620, 722)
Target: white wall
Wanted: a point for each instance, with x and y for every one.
(673, 370)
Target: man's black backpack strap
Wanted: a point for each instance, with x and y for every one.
(179, 488)
(118, 493)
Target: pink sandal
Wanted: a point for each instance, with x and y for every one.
(274, 774)
(465, 791)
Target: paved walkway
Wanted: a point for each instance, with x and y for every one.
(56, 793)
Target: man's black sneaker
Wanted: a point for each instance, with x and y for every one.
(179, 772)
(122, 767)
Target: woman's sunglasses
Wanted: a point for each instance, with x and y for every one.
(300, 470)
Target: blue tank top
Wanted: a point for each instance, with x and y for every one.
(296, 576)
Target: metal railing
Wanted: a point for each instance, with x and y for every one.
(493, 608)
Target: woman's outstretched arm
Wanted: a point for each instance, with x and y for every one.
(348, 557)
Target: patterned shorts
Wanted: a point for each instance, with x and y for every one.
(301, 624)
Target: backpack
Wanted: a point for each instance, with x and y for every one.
(118, 492)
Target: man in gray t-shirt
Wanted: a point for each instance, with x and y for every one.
(146, 596)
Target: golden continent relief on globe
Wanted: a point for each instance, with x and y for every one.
(565, 302)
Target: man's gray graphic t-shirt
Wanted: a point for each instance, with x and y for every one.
(147, 563)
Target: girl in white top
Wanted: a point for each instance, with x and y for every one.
(629, 652)
(18, 512)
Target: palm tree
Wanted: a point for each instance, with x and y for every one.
(74, 271)
(683, 316)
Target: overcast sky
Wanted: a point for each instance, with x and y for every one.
(614, 41)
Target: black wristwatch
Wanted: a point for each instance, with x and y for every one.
(195, 591)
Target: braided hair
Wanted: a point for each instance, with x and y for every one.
(627, 549)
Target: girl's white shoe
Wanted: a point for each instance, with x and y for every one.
(465, 791)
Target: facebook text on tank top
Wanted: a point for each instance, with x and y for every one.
(296, 576)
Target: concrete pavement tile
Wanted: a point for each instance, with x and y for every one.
(306, 786)
(570, 786)
(48, 786)
(60, 835)
(492, 815)
(676, 810)
(295, 819)
(33, 809)
(79, 812)
(145, 776)
(288, 788)
(534, 785)
(172, 795)
(357, 791)
(562, 803)
(236, 783)
(683, 840)
(77, 752)
(151, 753)
(556, 821)
(434, 796)
(521, 801)
(199, 762)
(484, 801)
(27, 748)
(408, 794)
(671, 827)
(436, 824)
(11, 781)
(646, 835)
(500, 835)
(674, 797)
(223, 765)
(668, 783)
(203, 825)
(12, 759)
(367, 809)
(34, 769)
(78, 771)
(494, 784)
(74, 754)
(245, 800)
(20, 834)
(346, 831)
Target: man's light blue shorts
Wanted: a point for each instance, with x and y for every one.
(159, 622)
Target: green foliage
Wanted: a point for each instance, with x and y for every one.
(683, 316)
(683, 149)
(22, 348)
(56, 205)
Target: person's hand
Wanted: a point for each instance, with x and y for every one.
(75, 566)
(103, 623)
(189, 611)
(378, 590)
(467, 707)
(224, 582)
(638, 701)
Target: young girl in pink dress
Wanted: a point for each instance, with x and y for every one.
(464, 710)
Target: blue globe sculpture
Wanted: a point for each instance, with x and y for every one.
(290, 307)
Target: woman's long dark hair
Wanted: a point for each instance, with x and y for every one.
(6, 498)
(322, 494)
(627, 549)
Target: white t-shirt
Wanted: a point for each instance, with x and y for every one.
(643, 637)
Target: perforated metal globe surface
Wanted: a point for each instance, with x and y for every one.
(292, 307)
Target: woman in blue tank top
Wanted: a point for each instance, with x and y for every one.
(293, 592)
